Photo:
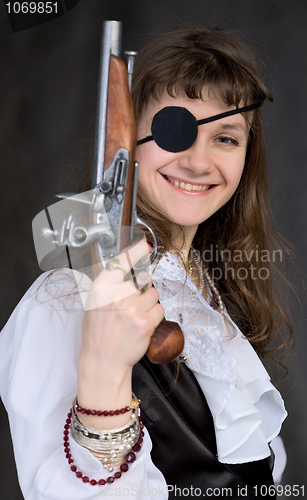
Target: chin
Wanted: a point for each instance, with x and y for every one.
(186, 221)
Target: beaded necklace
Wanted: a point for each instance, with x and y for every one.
(193, 257)
(216, 300)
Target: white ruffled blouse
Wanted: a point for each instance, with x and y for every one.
(247, 410)
(39, 351)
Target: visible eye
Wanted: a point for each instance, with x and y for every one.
(228, 140)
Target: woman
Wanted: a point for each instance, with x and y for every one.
(210, 418)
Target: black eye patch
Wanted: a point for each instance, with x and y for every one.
(175, 129)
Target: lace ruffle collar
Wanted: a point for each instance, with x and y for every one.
(247, 410)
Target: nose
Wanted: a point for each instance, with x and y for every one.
(198, 158)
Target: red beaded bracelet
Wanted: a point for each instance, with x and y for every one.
(133, 406)
(130, 457)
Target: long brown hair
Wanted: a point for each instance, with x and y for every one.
(240, 236)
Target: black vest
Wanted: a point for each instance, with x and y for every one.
(180, 424)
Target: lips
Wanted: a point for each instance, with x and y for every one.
(187, 185)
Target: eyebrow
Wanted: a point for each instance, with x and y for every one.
(234, 126)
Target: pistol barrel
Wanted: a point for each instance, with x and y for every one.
(111, 44)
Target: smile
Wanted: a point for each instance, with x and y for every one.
(187, 186)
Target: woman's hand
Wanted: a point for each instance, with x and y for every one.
(117, 327)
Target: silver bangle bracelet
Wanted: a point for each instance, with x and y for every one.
(109, 446)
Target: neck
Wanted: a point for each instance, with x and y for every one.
(184, 243)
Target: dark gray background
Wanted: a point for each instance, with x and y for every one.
(48, 88)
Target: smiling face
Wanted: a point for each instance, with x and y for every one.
(190, 186)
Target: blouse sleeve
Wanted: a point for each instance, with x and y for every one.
(39, 352)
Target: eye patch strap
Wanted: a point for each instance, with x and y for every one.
(213, 118)
(229, 113)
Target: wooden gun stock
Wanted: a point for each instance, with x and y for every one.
(167, 340)
(120, 131)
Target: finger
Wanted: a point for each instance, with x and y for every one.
(131, 255)
(127, 259)
(156, 315)
(100, 296)
(147, 300)
(143, 281)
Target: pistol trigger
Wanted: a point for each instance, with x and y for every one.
(107, 203)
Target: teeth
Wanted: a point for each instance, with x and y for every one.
(189, 187)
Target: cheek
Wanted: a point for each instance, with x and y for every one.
(144, 166)
(143, 180)
(144, 155)
(237, 177)
(151, 158)
(140, 157)
(234, 172)
(148, 166)
(232, 178)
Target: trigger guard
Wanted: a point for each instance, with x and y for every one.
(153, 254)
